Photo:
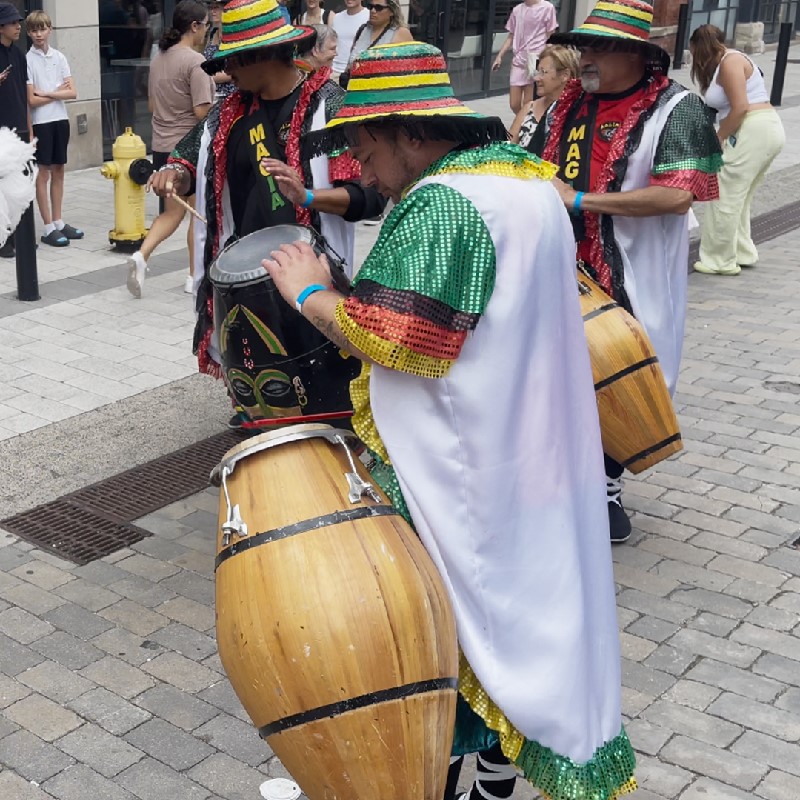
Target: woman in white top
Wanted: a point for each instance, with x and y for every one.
(751, 134)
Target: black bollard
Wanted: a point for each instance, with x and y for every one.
(781, 58)
(25, 244)
(680, 36)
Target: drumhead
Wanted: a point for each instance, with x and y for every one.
(240, 261)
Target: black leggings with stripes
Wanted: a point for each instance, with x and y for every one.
(495, 777)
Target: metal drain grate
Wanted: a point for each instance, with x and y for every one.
(95, 521)
(764, 227)
(146, 488)
(73, 533)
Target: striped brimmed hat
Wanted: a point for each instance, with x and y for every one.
(249, 25)
(627, 21)
(404, 84)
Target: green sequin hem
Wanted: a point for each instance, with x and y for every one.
(607, 775)
(710, 164)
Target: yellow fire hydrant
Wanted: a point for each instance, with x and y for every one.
(129, 170)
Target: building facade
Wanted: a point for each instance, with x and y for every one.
(109, 44)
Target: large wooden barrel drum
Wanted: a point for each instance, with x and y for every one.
(637, 421)
(332, 623)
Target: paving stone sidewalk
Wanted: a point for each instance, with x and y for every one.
(110, 685)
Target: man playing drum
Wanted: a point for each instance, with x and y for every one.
(476, 400)
(635, 149)
(244, 160)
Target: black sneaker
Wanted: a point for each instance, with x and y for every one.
(619, 523)
(235, 422)
(7, 250)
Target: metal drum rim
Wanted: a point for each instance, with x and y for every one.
(265, 441)
(257, 274)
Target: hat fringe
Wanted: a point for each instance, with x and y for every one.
(464, 130)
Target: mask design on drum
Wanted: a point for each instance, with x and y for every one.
(270, 393)
(276, 364)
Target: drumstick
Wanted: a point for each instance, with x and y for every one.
(181, 202)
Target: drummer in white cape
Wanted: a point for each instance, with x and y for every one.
(635, 150)
(476, 399)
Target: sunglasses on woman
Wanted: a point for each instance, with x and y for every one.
(375, 6)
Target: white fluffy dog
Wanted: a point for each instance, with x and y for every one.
(17, 180)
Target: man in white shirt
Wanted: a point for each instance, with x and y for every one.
(346, 26)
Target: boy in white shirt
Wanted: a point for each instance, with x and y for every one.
(49, 85)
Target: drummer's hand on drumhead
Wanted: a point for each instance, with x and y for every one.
(288, 179)
(296, 266)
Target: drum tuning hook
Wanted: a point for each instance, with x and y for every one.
(356, 485)
(234, 524)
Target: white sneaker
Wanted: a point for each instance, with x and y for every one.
(137, 268)
(188, 284)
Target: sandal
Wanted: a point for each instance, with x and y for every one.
(72, 233)
(55, 239)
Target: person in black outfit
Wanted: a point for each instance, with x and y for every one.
(14, 111)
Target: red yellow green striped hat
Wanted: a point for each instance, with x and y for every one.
(249, 25)
(626, 21)
(407, 84)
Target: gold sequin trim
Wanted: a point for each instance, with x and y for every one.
(363, 421)
(525, 170)
(469, 687)
(390, 354)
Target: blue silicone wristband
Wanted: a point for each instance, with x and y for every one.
(576, 203)
(306, 293)
(309, 199)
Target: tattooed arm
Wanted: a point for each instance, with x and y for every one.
(320, 310)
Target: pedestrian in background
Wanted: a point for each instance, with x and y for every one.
(50, 83)
(347, 23)
(14, 111)
(222, 80)
(287, 17)
(557, 66)
(751, 134)
(315, 14)
(528, 27)
(323, 52)
(634, 150)
(180, 95)
(386, 25)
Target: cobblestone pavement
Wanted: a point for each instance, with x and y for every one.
(110, 685)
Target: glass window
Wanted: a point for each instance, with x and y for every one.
(129, 34)
(502, 11)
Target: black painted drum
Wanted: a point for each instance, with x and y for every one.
(278, 367)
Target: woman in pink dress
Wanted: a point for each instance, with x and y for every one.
(529, 26)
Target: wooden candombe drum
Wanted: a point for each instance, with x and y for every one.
(637, 421)
(332, 623)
